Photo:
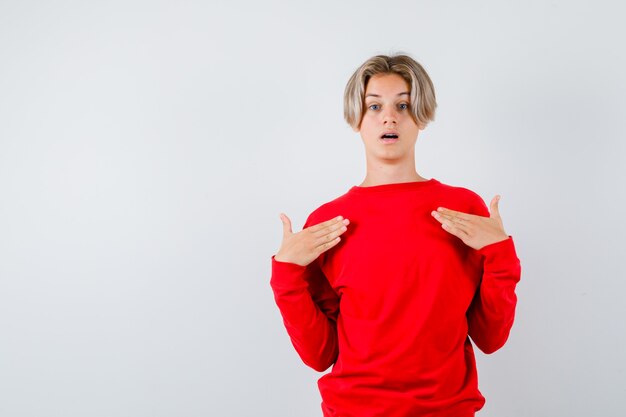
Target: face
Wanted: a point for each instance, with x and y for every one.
(387, 110)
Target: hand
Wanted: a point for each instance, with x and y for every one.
(304, 247)
(475, 231)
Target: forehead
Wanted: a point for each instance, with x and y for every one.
(387, 85)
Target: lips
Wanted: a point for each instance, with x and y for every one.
(390, 134)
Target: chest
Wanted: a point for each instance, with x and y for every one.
(399, 250)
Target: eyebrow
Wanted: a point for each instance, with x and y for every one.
(376, 95)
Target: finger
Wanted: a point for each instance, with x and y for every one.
(286, 224)
(325, 246)
(455, 218)
(455, 230)
(493, 206)
(330, 236)
(459, 214)
(452, 222)
(330, 228)
(327, 223)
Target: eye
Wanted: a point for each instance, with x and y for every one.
(371, 107)
(403, 106)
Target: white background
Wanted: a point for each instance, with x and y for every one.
(147, 148)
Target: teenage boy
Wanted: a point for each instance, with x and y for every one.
(389, 281)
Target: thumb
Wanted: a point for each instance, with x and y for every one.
(286, 224)
(493, 207)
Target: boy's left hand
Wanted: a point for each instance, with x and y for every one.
(475, 231)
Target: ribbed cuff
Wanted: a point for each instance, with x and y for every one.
(500, 254)
(287, 274)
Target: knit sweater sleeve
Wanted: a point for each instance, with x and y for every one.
(309, 307)
(492, 311)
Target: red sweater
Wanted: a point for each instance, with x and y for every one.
(393, 305)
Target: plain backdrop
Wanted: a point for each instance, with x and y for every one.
(148, 147)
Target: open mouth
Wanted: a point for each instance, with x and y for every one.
(389, 137)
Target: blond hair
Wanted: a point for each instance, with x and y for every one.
(423, 102)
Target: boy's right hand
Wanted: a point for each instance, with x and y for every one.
(304, 247)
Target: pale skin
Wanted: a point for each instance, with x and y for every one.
(387, 108)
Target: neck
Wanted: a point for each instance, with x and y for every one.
(381, 172)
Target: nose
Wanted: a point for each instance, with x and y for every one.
(390, 116)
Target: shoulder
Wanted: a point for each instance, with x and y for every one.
(469, 200)
(327, 210)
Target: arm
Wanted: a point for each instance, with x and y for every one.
(491, 314)
(309, 308)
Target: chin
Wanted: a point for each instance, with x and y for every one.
(391, 156)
